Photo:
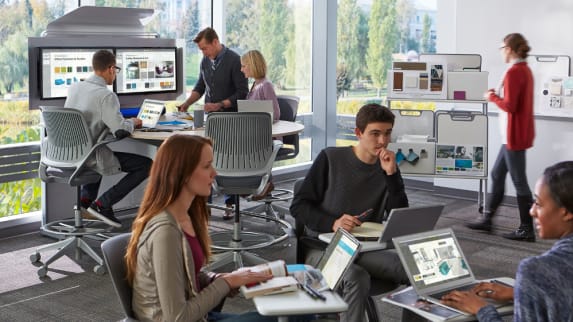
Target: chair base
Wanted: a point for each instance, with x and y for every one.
(75, 234)
(270, 210)
(75, 242)
(239, 258)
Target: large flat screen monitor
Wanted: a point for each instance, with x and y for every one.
(62, 67)
(146, 70)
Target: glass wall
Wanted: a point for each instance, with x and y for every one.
(18, 21)
(370, 35)
(281, 31)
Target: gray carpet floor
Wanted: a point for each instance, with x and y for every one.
(72, 292)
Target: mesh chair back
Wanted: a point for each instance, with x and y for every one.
(68, 140)
(113, 251)
(289, 107)
(242, 142)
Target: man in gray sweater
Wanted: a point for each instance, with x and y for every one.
(344, 182)
(100, 107)
(220, 77)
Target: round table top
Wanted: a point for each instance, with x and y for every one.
(280, 128)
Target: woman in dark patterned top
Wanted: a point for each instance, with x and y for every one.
(543, 286)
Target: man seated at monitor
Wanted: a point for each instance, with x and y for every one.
(100, 107)
(342, 183)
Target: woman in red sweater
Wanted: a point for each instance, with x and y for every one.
(515, 101)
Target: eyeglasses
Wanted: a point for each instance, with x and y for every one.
(117, 69)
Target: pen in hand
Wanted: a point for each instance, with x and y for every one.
(364, 214)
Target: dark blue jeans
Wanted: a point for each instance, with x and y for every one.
(137, 169)
(514, 163)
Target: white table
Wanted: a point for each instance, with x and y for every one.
(503, 310)
(280, 128)
(297, 303)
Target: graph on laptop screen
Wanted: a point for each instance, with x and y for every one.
(62, 67)
(146, 70)
(435, 261)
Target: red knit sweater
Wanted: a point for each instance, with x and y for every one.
(517, 101)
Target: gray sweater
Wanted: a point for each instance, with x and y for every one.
(338, 183)
(543, 287)
(100, 107)
(222, 80)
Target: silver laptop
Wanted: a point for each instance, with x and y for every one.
(150, 112)
(256, 106)
(339, 254)
(435, 264)
(401, 221)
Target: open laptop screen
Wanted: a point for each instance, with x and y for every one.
(338, 256)
(150, 112)
(433, 259)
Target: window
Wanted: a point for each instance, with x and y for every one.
(281, 31)
(18, 21)
(370, 35)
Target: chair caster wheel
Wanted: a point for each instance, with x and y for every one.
(99, 270)
(34, 258)
(43, 271)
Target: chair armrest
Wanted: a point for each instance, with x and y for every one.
(277, 144)
(104, 141)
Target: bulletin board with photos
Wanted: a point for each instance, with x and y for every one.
(553, 85)
(461, 146)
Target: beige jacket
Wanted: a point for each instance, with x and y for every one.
(164, 284)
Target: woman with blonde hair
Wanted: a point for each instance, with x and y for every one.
(253, 65)
(170, 240)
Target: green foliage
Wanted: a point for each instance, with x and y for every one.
(383, 36)
(20, 197)
(349, 57)
(241, 26)
(19, 125)
(351, 107)
(427, 43)
(191, 27)
(298, 49)
(274, 27)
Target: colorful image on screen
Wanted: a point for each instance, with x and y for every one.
(146, 70)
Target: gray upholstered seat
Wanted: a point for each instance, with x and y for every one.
(244, 152)
(113, 251)
(66, 145)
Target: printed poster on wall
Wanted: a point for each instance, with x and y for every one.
(464, 160)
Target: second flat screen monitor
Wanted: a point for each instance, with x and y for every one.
(146, 70)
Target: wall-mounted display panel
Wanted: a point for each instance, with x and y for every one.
(62, 67)
(146, 70)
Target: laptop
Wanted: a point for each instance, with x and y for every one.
(150, 112)
(401, 221)
(339, 254)
(436, 265)
(256, 106)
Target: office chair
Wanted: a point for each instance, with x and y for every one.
(244, 152)
(310, 250)
(289, 107)
(66, 145)
(113, 251)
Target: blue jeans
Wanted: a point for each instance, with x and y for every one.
(514, 163)
(137, 168)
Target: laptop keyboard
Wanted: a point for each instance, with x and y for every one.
(461, 288)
